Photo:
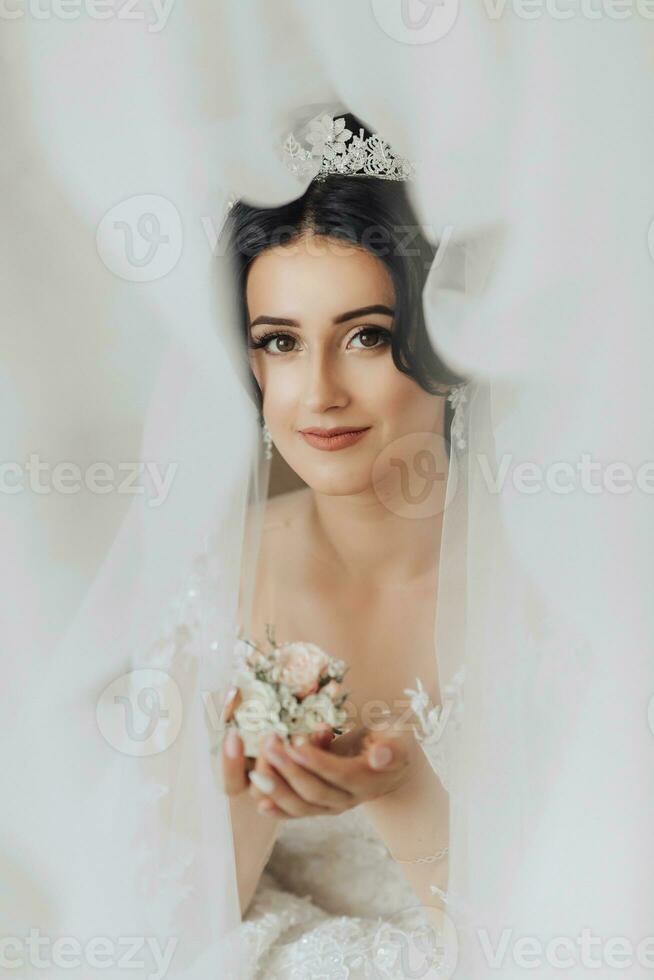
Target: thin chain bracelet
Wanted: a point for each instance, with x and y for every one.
(430, 859)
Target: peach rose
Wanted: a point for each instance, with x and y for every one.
(300, 666)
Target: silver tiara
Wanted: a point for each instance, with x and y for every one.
(334, 149)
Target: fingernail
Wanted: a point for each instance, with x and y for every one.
(380, 756)
(232, 702)
(262, 782)
(299, 740)
(232, 743)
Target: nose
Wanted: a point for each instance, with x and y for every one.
(323, 385)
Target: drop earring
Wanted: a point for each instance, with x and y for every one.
(267, 438)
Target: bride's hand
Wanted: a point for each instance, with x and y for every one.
(315, 777)
(237, 768)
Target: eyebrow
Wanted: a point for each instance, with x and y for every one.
(342, 318)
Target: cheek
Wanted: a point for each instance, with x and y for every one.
(401, 402)
(253, 361)
(383, 392)
(280, 384)
(260, 369)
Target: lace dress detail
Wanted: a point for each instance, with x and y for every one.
(439, 726)
(332, 904)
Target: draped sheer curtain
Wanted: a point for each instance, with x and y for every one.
(124, 139)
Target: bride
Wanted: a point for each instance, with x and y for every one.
(335, 838)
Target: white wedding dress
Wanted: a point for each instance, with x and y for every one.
(330, 905)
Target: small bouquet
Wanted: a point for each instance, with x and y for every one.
(290, 689)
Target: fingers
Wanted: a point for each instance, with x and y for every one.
(267, 807)
(379, 767)
(322, 736)
(342, 773)
(265, 804)
(234, 765)
(306, 785)
(350, 743)
(307, 779)
(386, 751)
(268, 784)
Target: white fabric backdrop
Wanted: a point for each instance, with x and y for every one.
(535, 149)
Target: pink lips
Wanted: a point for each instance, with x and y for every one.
(331, 439)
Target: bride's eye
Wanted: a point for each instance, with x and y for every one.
(265, 340)
(370, 336)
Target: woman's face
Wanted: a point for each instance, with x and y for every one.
(323, 310)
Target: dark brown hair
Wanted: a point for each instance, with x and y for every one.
(374, 214)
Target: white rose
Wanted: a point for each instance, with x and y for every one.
(319, 709)
(337, 668)
(332, 689)
(258, 712)
(291, 707)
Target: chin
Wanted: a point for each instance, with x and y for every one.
(334, 477)
(338, 487)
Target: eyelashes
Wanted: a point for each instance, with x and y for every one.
(265, 338)
(261, 343)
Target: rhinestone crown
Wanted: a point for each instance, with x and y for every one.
(334, 149)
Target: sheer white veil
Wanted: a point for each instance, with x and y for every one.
(117, 834)
(526, 665)
(544, 598)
